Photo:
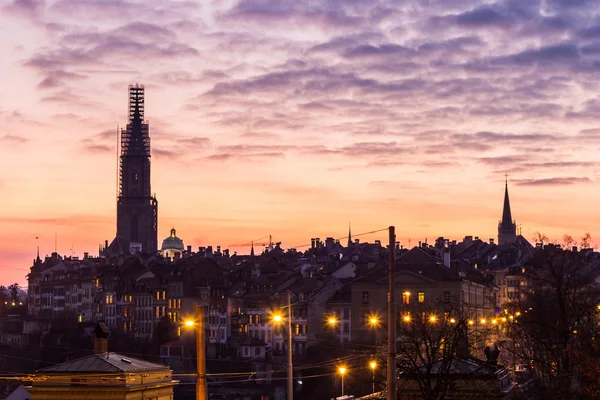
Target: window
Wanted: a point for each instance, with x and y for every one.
(365, 297)
(250, 319)
(446, 297)
(406, 298)
(297, 329)
(421, 297)
(157, 295)
(164, 294)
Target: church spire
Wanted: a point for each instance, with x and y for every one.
(349, 234)
(507, 229)
(506, 215)
(252, 250)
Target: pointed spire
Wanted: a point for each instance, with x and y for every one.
(252, 250)
(349, 234)
(506, 214)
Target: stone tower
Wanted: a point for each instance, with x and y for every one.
(137, 208)
(507, 228)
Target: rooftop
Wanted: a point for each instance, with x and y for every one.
(108, 362)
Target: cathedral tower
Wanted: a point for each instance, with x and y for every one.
(137, 209)
(507, 228)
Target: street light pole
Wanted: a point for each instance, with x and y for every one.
(342, 372)
(373, 365)
(290, 376)
(201, 389)
(391, 359)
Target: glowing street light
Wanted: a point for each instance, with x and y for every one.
(432, 319)
(452, 320)
(518, 314)
(471, 322)
(483, 321)
(406, 318)
(277, 318)
(373, 320)
(332, 321)
(494, 321)
(342, 371)
(198, 325)
(373, 365)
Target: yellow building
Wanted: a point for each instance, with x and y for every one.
(103, 376)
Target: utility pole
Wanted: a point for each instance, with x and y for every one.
(391, 361)
(201, 390)
(290, 376)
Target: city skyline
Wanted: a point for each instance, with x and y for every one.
(369, 119)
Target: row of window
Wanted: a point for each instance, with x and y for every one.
(174, 303)
(406, 297)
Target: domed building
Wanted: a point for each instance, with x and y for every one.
(172, 247)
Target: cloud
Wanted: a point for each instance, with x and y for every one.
(30, 9)
(58, 78)
(483, 17)
(13, 139)
(98, 148)
(503, 160)
(552, 181)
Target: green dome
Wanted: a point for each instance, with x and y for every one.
(172, 242)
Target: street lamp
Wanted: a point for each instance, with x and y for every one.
(373, 365)
(432, 319)
(198, 324)
(332, 321)
(342, 371)
(278, 318)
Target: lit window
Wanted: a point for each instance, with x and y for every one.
(421, 297)
(297, 329)
(164, 294)
(406, 298)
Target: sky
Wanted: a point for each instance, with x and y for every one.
(292, 118)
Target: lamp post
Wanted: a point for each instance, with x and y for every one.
(278, 318)
(342, 372)
(374, 323)
(198, 324)
(373, 365)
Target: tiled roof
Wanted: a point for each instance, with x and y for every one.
(108, 362)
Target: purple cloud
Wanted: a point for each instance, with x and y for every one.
(552, 181)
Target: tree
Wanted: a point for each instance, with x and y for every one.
(558, 322)
(13, 292)
(428, 345)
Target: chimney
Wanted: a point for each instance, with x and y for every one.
(189, 249)
(85, 255)
(356, 241)
(491, 240)
(219, 250)
(447, 258)
(105, 245)
(574, 249)
(101, 339)
(312, 243)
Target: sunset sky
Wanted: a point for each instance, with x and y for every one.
(291, 118)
